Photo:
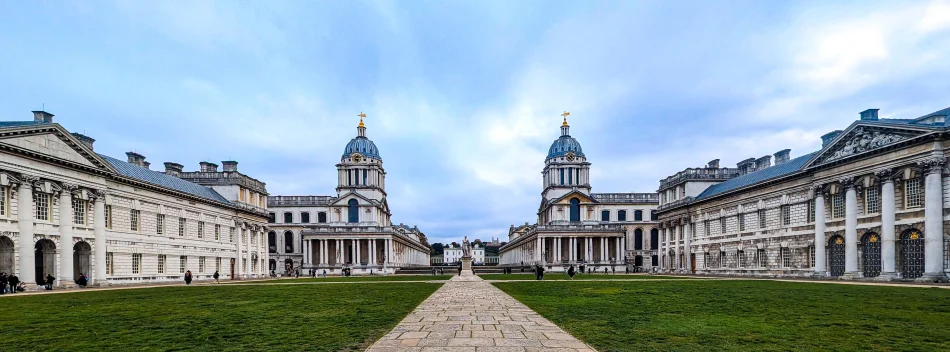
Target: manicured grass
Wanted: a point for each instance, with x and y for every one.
(357, 279)
(562, 276)
(212, 318)
(742, 315)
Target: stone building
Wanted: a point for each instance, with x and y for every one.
(576, 226)
(350, 230)
(871, 203)
(453, 254)
(66, 210)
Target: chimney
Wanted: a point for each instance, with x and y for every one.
(229, 166)
(869, 114)
(746, 166)
(145, 164)
(713, 164)
(782, 156)
(173, 169)
(208, 167)
(828, 137)
(42, 116)
(763, 162)
(135, 158)
(84, 139)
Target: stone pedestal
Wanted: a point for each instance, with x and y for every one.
(467, 266)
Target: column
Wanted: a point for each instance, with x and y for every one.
(239, 262)
(669, 233)
(99, 230)
(820, 231)
(933, 219)
(659, 247)
(65, 235)
(358, 247)
(687, 248)
(850, 228)
(570, 249)
(679, 247)
(25, 225)
(539, 250)
(619, 247)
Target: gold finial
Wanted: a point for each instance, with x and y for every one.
(565, 114)
(361, 115)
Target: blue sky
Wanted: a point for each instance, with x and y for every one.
(463, 98)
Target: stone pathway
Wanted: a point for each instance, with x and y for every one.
(468, 314)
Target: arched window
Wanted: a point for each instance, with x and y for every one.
(272, 242)
(322, 217)
(288, 242)
(638, 239)
(654, 239)
(638, 215)
(575, 209)
(621, 215)
(353, 211)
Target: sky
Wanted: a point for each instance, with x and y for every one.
(463, 98)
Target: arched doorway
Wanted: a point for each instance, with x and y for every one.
(638, 239)
(575, 209)
(912, 254)
(82, 252)
(871, 254)
(836, 255)
(6, 255)
(45, 259)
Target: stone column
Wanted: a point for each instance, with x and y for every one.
(933, 219)
(99, 231)
(539, 250)
(25, 225)
(686, 247)
(850, 228)
(678, 257)
(558, 257)
(669, 241)
(819, 231)
(65, 236)
(239, 272)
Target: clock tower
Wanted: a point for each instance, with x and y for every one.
(566, 168)
(361, 168)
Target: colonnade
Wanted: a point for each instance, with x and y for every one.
(567, 249)
(675, 238)
(371, 251)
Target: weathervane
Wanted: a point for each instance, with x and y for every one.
(565, 115)
(361, 115)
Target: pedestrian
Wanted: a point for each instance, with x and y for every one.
(49, 281)
(460, 269)
(82, 280)
(626, 269)
(605, 271)
(613, 270)
(324, 273)
(215, 276)
(187, 277)
(570, 272)
(3, 283)
(14, 283)
(297, 273)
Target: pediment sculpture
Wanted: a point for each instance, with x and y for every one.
(861, 140)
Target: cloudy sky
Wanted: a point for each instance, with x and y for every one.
(463, 98)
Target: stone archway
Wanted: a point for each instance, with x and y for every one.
(45, 259)
(6, 255)
(82, 252)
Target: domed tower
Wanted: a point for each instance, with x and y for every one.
(361, 168)
(566, 168)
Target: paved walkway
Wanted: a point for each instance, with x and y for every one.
(468, 314)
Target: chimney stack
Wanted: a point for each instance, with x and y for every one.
(208, 167)
(229, 166)
(828, 137)
(763, 162)
(135, 158)
(782, 156)
(145, 164)
(713, 164)
(173, 169)
(746, 166)
(869, 115)
(42, 116)
(84, 139)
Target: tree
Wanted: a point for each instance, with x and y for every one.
(437, 249)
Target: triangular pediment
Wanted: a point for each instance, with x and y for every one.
(863, 139)
(566, 199)
(54, 143)
(344, 199)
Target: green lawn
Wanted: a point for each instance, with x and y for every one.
(562, 276)
(749, 315)
(353, 279)
(211, 318)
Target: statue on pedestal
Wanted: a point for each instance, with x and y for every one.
(466, 248)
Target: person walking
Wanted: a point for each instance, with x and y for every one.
(49, 281)
(3, 283)
(14, 282)
(187, 277)
(571, 272)
(324, 273)
(216, 276)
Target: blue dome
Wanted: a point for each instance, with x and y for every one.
(363, 146)
(565, 144)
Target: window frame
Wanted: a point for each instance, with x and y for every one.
(45, 198)
(134, 219)
(80, 211)
(160, 224)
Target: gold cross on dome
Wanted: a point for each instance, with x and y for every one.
(361, 115)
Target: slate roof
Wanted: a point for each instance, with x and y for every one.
(752, 178)
(20, 123)
(163, 180)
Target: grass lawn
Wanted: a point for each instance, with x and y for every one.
(743, 315)
(354, 279)
(213, 318)
(563, 276)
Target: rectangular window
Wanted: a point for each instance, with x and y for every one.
(109, 263)
(912, 194)
(201, 229)
(872, 200)
(288, 218)
(837, 205)
(217, 232)
(41, 209)
(811, 254)
(136, 263)
(570, 176)
(706, 228)
(217, 264)
(134, 219)
(722, 226)
(638, 215)
(182, 263)
(271, 218)
(305, 218)
(722, 259)
(201, 264)
(740, 259)
(181, 226)
(786, 257)
(161, 263)
(605, 215)
(108, 216)
(159, 224)
(653, 215)
(762, 222)
(741, 219)
(621, 215)
(811, 210)
(763, 259)
(79, 211)
(786, 215)
(4, 200)
(231, 234)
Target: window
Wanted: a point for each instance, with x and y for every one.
(811, 211)
(621, 215)
(638, 239)
(740, 258)
(562, 176)
(109, 263)
(353, 211)
(653, 215)
(575, 209)
(837, 205)
(159, 224)
(288, 242)
(741, 219)
(786, 215)
(272, 242)
(217, 264)
(181, 226)
(872, 200)
(638, 215)
(288, 218)
(305, 218)
(706, 227)
(79, 211)
(201, 264)
(4, 201)
(270, 218)
(217, 232)
(722, 226)
(763, 258)
(705, 263)
(41, 209)
(231, 234)
(136, 263)
(134, 219)
(108, 216)
(722, 259)
(605, 215)
(201, 229)
(161, 263)
(811, 254)
(762, 222)
(912, 198)
(322, 217)
(654, 239)
(786, 257)
(182, 263)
